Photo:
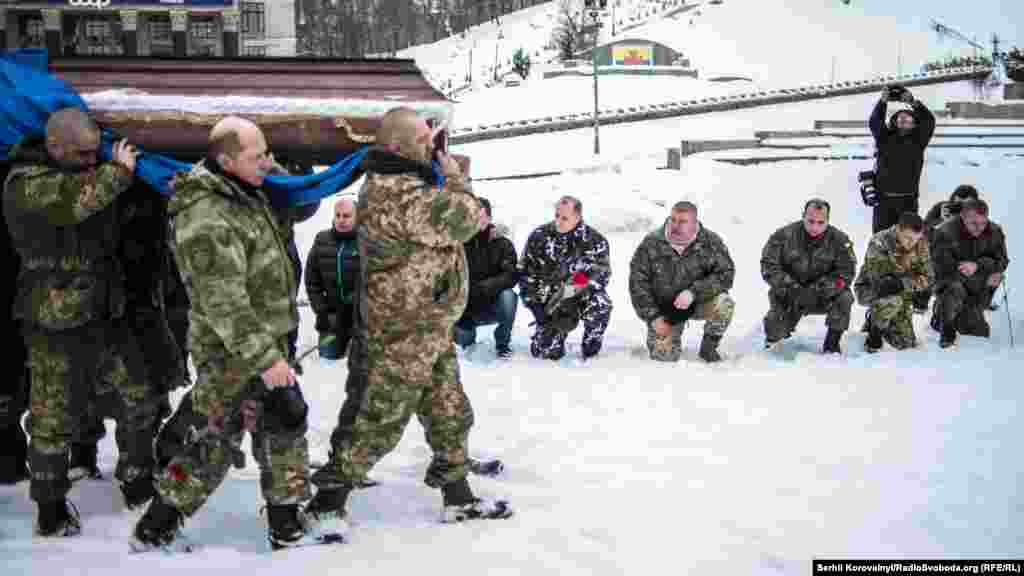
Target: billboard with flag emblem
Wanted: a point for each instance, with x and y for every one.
(633, 55)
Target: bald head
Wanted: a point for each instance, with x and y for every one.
(405, 133)
(72, 139)
(344, 214)
(238, 146)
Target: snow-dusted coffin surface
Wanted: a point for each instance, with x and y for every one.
(136, 101)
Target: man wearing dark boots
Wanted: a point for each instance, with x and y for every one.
(402, 359)
(241, 283)
(565, 271)
(809, 266)
(60, 207)
(682, 271)
(896, 266)
(969, 257)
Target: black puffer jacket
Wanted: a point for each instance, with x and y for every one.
(331, 300)
(492, 268)
(900, 157)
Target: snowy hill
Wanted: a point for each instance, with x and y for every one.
(624, 466)
(775, 43)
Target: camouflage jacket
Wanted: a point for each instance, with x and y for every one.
(550, 258)
(885, 255)
(657, 273)
(951, 245)
(64, 226)
(791, 259)
(233, 258)
(412, 232)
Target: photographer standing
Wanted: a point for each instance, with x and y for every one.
(900, 155)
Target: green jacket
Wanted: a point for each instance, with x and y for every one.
(791, 259)
(886, 256)
(657, 274)
(232, 253)
(64, 226)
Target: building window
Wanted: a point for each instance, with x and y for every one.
(253, 20)
(34, 31)
(204, 36)
(92, 35)
(161, 39)
(256, 51)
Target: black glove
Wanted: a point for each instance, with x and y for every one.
(286, 406)
(889, 285)
(673, 315)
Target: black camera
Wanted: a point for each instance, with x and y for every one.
(896, 92)
(868, 192)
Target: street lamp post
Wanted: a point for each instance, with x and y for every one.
(593, 57)
(497, 43)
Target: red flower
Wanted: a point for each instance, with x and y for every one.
(177, 473)
(840, 283)
(580, 279)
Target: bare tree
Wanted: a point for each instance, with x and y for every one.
(567, 36)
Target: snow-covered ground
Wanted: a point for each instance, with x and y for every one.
(625, 466)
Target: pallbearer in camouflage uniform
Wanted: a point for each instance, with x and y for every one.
(566, 269)
(414, 287)
(60, 207)
(809, 266)
(682, 271)
(233, 258)
(969, 257)
(896, 266)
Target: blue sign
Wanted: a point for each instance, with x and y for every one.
(98, 4)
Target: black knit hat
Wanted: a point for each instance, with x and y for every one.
(486, 204)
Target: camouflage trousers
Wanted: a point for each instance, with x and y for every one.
(781, 320)
(198, 468)
(717, 314)
(894, 317)
(69, 368)
(415, 375)
(963, 304)
(594, 308)
(164, 371)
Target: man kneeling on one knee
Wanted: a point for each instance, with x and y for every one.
(896, 266)
(682, 271)
(492, 275)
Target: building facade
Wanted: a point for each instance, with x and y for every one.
(193, 28)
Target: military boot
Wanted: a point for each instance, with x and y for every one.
(286, 526)
(709, 349)
(158, 527)
(460, 504)
(874, 342)
(948, 337)
(325, 514)
(58, 518)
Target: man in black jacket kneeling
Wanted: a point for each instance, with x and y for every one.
(492, 274)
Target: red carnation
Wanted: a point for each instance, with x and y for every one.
(176, 473)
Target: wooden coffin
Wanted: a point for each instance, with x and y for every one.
(312, 111)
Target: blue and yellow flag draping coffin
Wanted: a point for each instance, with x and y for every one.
(29, 94)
